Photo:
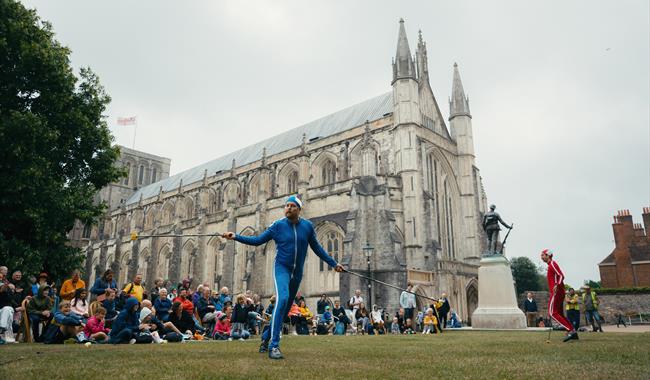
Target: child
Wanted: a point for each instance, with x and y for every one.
(94, 329)
(148, 327)
(222, 328)
(430, 322)
(239, 319)
(126, 325)
(394, 327)
(408, 327)
(162, 305)
(78, 304)
(65, 325)
(109, 304)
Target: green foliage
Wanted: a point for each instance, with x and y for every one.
(55, 146)
(593, 284)
(526, 275)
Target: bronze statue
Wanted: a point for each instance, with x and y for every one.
(491, 221)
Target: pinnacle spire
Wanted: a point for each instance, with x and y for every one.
(459, 103)
(403, 66)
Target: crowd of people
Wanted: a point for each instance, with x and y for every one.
(106, 313)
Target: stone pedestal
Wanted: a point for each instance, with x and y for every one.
(497, 302)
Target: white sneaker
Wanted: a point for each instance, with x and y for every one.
(241, 339)
(132, 341)
(9, 337)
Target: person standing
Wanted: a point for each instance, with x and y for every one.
(443, 311)
(292, 235)
(573, 308)
(530, 308)
(135, 288)
(590, 300)
(555, 279)
(407, 301)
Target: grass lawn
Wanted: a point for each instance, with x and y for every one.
(457, 354)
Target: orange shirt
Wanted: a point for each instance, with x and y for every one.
(68, 287)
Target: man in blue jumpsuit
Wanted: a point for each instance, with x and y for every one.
(291, 235)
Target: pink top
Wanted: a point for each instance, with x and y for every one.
(94, 325)
(223, 327)
(79, 308)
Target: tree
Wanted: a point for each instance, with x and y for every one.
(593, 284)
(55, 147)
(525, 274)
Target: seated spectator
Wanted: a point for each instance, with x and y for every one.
(363, 317)
(7, 310)
(341, 318)
(126, 325)
(239, 319)
(65, 325)
(454, 321)
(205, 308)
(95, 329)
(430, 323)
(101, 285)
(39, 310)
(149, 327)
(376, 320)
(108, 303)
(224, 296)
(182, 298)
(70, 286)
(255, 312)
(162, 305)
(401, 318)
(325, 322)
(294, 317)
(395, 327)
(306, 318)
(78, 304)
(408, 327)
(181, 319)
(196, 295)
(155, 291)
(222, 327)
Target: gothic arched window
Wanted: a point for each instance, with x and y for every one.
(292, 182)
(333, 247)
(154, 174)
(141, 175)
(328, 174)
(128, 173)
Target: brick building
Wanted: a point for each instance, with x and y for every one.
(629, 263)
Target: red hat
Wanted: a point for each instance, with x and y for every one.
(547, 252)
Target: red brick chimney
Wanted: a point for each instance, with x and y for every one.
(623, 236)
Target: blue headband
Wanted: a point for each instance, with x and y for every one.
(294, 199)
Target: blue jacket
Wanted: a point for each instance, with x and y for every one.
(127, 318)
(291, 241)
(70, 319)
(162, 306)
(100, 286)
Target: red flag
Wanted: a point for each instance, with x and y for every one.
(126, 120)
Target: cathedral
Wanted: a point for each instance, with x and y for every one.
(390, 185)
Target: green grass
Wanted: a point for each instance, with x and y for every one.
(452, 355)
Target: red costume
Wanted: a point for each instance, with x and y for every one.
(555, 279)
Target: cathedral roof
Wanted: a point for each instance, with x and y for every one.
(348, 118)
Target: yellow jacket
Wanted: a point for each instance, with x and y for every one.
(430, 320)
(572, 302)
(304, 311)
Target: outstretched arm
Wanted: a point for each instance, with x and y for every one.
(251, 240)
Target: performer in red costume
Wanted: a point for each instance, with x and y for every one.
(555, 279)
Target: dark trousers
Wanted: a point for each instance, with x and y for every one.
(123, 336)
(574, 317)
(408, 313)
(35, 320)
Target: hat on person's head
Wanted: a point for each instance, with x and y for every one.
(295, 200)
(144, 313)
(327, 307)
(547, 252)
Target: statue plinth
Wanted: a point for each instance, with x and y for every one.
(497, 301)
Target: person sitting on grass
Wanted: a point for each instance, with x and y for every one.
(149, 327)
(454, 321)
(408, 327)
(109, 304)
(294, 317)
(182, 320)
(78, 304)
(430, 323)
(64, 326)
(205, 307)
(394, 326)
(401, 319)
(306, 315)
(377, 321)
(222, 327)
(326, 321)
(239, 319)
(95, 329)
(126, 325)
(39, 310)
(162, 305)
(363, 317)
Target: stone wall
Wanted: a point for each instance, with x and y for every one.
(610, 304)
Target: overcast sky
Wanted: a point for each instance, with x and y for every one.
(559, 91)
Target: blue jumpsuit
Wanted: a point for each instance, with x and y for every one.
(291, 241)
